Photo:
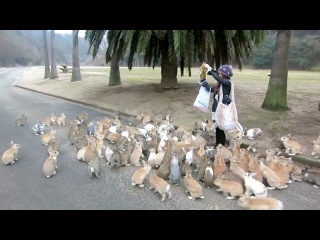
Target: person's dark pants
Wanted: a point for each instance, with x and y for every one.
(220, 137)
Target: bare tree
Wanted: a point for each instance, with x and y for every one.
(46, 55)
(76, 74)
(54, 71)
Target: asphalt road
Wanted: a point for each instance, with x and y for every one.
(24, 187)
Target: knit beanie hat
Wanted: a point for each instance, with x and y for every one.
(226, 70)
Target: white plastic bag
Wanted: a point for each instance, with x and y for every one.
(203, 99)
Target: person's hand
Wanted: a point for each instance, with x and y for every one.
(207, 67)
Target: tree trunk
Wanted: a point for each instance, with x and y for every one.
(76, 74)
(168, 72)
(54, 72)
(46, 56)
(276, 97)
(114, 78)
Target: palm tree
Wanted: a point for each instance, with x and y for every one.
(46, 55)
(276, 97)
(76, 74)
(54, 72)
(176, 48)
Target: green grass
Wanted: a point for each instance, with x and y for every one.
(246, 76)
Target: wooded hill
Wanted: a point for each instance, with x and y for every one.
(25, 48)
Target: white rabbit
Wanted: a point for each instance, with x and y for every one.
(253, 133)
(254, 186)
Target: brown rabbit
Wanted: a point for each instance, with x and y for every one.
(231, 176)
(270, 153)
(292, 147)
(99, 144)
(90, 151)
(21, 121)
(50, 120)
(61, 120)
(230, 189)
(219, 165)
(235, 168)
(53, 145)
(50, 165)
(254, 166)
(202, 169)
(185, 168)
(193, 187)
(272, 178)
(261, 203)
(11, 154)
(136, 154)
(139, 176)
(151, 158)
(164, 168)
(91, 141)
(160, 185)
(46, 138)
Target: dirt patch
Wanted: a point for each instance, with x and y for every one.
(134, 97)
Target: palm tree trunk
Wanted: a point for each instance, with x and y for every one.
(76, 74)
(46, 56)
(276, 97)
(168, 72)
(114, 78)
(54, 72)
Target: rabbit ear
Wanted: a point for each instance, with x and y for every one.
(11, 143)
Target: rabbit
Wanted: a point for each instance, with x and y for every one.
(208, 176)
(174, 171)
(261, 203)
(99, 144)
(227, 154)
(254, 166)
(164, 168)
(115, 158)
(61, 121)
(296, 173)
(81, 141)
(292, 147)
(219, 165)
(53, 145)
(312, 176)
(184, 169)
(83, 118)
(46, 138)
(139, 175)
(94, 166)
(159, 158)
(136, 154)
(125, 153)
(193, 187)
(151, 158)
(90, 150)
(11, 154)
(315, 149)
(231, 176)
(270, 153)
(160, 185)
(50, 165)
(80, 155)
(235, 168)
(50, 120)
(230, 189)
(253, 133)
(253, 186)
(282, 170)
(21, 121)
(39, 128)
(272, 178)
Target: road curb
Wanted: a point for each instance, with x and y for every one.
(297, 158)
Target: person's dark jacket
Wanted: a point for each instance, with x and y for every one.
(226, 88)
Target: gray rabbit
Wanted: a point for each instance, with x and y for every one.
(39, 128)
(174, 176)
(21, 121)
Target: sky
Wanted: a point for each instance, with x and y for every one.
(81, 32)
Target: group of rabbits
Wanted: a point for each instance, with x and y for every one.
(173, 156)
